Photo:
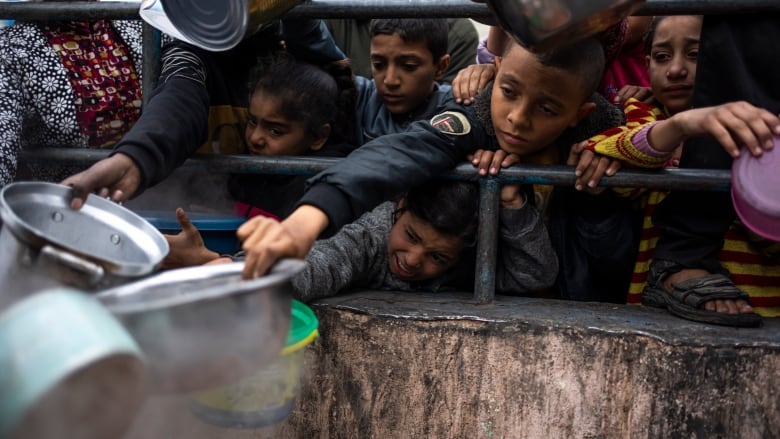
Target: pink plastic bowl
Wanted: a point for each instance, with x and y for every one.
(755, 191)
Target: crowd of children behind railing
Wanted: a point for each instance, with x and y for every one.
(630, 97)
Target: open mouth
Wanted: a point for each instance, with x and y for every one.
(399, 268)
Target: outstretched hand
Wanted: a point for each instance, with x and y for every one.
(470, 80)
(590, 168)
(116, 178)
(733, 125)
(187, 248)
(265, 240)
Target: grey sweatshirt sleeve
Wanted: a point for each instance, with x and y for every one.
(348, 259)
(526, 259)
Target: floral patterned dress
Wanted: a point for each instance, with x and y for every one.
(70, 85)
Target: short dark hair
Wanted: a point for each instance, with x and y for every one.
(450, 207)
(433, 31)
(585, 58)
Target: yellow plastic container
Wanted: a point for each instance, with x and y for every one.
(268, 396)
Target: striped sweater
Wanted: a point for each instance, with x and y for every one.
(754, 263)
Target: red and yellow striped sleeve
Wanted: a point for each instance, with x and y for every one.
(618, 142)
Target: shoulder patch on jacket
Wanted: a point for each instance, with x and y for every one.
(451, 122)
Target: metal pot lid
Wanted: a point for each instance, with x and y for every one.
(124, 243)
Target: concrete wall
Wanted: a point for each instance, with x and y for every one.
(402, 365)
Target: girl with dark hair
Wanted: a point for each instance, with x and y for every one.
(295, 108)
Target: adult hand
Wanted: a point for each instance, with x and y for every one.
(265, 241)
(590, 168)
(187, 248)
(116, 177)
(470, 80)
(488, 161)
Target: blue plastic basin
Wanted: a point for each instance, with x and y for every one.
(218, 230)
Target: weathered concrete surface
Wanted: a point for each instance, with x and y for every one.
(393, 365)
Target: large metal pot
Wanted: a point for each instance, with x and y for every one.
(202, 327)
(545, 24)
(46, 244)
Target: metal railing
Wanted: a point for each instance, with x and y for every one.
(489, 186)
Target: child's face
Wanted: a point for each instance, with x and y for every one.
(672, 61)
(271, 134)
(404, 73)
(532, 104)
(417, 251)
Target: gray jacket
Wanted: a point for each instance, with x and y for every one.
(356, 257)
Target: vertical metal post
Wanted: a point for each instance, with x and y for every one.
(152, 40)
(485, 280)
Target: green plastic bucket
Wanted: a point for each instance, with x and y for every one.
(268, 396)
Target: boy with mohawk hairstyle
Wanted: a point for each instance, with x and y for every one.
(537, 102)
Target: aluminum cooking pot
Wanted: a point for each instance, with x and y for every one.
(68, 369)
(201, 327)
(544, 24)
(213, 24)
(46, 244)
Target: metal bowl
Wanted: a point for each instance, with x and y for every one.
(202, 327)
(545, 24)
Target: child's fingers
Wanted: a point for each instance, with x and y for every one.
(485, 160)
(486, 75)
(495, 164)
(184, 220)
(613, 167)
(510, 160)
(476, 157)
(598, 173)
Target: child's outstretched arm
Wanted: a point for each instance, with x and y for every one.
(526, 259)
(345, 260)
(187, 248)
(733, 125)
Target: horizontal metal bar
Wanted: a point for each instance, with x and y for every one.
(556, 175)
(32, 11)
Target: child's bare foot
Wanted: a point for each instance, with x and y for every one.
(738, 306)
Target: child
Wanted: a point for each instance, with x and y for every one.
(407, 56)
(652, 138)
(295, 108)
(419, 243)
(535, 100)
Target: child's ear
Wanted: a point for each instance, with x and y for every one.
(442, 66)
(583, 112)
(647, 61)
(322, 137)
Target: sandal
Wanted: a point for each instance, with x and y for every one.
(687, 298)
